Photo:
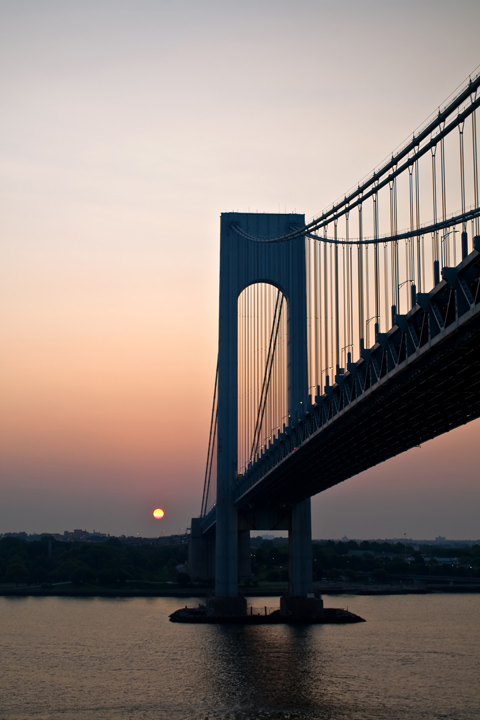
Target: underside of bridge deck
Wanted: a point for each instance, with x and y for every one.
(436, 391)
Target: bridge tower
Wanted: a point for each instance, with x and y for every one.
(248, 255)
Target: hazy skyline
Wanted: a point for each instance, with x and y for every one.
(127, 128)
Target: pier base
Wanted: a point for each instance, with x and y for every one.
(226, 607)
(301, 608)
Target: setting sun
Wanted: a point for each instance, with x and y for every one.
(158, 513)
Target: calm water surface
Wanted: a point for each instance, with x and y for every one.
(416, 658)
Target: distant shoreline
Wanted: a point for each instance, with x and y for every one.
(248, 592)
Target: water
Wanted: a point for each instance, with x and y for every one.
(416, 657)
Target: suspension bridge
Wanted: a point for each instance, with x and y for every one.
(343, 341)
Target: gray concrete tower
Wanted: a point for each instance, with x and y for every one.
(243, 262)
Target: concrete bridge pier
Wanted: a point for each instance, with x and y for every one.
(300, 582)
(230, 559)
(226, 557)
(300, 601)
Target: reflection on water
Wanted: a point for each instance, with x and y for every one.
(415, 658)
(261, 667)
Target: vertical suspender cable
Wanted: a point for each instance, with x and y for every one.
(264, 318)
(462, 192)
(411, 241)
(417, 223)
(349, 339)
(248, 357)
(269, 398)
(251, 354)
(246, 388)
(390, 187)
(246, 428)
(436, 263)
(345, 304)
(332, 310)
(318, 325)
(262, 321)
(444, 191)
(325, 301)
(396, 281)
(462, 171)
(269, 361)
(361, 317)
(350, 284)
(386, 299)
(375, 263)
(248, 329)
(257, 320)
(393, 232)
(310, 313)
(475, 168)
(245, 363)
(246, 350)
(367, 296)
(259, 325)
(245, 370)
(240, 373)
(336, 364)
(275, 391)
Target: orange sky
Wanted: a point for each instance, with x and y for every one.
(126, 130)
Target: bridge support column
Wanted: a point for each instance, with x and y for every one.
(226, 550)
(300, 550)
(233, 561)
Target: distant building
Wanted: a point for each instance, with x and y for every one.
(447, 561)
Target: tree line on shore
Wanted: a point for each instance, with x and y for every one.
(357, 561)
(115, 562)
(108, 564)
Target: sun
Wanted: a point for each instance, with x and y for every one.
(158, 513)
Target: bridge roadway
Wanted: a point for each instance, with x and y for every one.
(419, 380)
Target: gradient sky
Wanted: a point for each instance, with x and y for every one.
(126, 129)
